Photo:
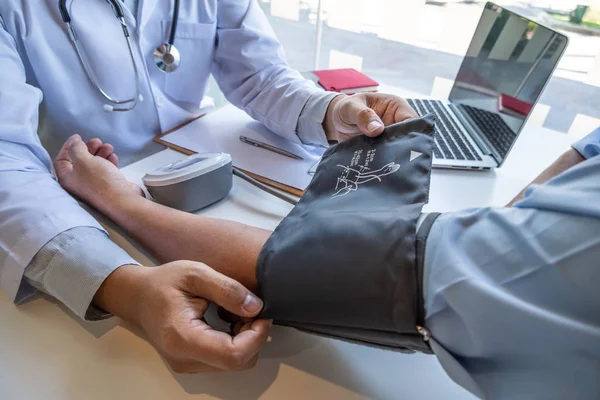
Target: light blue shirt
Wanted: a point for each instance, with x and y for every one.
(44, 90)
(512, 294)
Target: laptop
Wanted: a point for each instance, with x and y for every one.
(508, 63)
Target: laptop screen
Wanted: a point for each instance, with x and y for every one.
(506, 67)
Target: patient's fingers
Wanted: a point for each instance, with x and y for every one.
(113, 158)
(94, 145)
(105, 150)
(76, 149)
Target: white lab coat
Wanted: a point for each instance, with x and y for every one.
(42, 80)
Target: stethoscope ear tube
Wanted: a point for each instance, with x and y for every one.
(116, 6)
(114, 104)
(64, 13)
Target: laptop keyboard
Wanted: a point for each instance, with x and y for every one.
(493, 127)
(450, 141)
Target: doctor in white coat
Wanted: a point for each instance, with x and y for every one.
(47, 241)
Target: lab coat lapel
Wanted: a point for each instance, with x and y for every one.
(145, 10)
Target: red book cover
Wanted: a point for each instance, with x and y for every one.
(512, 103)
(338, 80)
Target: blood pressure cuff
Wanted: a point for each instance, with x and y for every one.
(343, 263)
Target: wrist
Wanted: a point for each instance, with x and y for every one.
(328, 125)
(568, 159)
(121, 292)
(118, 204)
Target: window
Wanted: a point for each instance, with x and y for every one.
(418, 46)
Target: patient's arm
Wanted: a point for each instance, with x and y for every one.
(169, 302)
(567, 160)
(228, 247)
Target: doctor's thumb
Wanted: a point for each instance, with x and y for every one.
(238, 300)
(225, 292)
(365, 119)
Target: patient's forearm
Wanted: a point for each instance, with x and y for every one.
(226, 246)
(567, 160)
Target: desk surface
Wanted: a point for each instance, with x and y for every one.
(45, 352)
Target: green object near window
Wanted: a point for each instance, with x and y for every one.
(576, 16)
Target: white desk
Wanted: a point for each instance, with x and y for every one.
(45, 353)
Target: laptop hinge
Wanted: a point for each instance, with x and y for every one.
(478, 137)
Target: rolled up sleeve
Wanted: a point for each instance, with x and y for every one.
(589, 146)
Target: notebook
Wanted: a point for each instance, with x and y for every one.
(512, 106)
(220, 131)
(346, 80)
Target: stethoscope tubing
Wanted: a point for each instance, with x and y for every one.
(118, 10)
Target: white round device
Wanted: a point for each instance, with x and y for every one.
(192, 183)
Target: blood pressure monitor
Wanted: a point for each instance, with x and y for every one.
(193, 183)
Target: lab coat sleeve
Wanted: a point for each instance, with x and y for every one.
(251, 70)
(33, 207)
(310, 124)
(57, 269)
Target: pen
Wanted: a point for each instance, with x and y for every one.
(266, 146)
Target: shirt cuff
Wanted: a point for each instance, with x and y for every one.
(589, 146)
(72, 266)
(310, 123)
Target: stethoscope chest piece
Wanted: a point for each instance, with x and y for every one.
(167, 58)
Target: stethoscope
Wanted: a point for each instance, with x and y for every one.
(166, 56)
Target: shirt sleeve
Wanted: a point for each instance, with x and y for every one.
(575, 191)
(589, 146)
(511, 293)
(73, 265)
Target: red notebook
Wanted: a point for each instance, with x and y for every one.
(346, 80)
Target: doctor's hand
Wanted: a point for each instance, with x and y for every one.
(364, 113)
(169, 303)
